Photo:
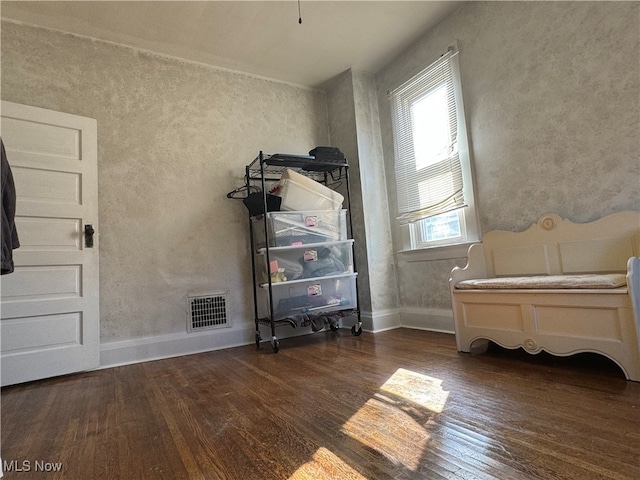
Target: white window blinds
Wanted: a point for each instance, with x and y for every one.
(425, 125)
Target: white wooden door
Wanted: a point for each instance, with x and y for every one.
(49, 306)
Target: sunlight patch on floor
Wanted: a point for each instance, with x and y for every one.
(325, 465)
(394, 422)
(387, 429)
(418, 389)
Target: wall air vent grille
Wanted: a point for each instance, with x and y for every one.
(207, 312)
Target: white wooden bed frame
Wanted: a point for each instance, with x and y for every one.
(560, 320)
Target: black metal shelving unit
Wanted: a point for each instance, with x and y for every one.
(264, 170)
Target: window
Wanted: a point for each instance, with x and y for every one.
(432, 165)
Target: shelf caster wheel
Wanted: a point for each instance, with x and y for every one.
(333, 327)
(258, 339)
(275, 344)
(356, 330)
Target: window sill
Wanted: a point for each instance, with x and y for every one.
(444, 252)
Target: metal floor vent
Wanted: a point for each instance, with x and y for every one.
(207, 312)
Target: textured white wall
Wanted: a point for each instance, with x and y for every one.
(344, 135)
(354, 127)
(382, 276)
(552, 99)
(552, 96)
(173, 139)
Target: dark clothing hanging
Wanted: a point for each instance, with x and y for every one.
(9, 233)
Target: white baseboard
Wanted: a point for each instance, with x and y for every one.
(125, 352)
(145, 349)
(433, 319)
(380, 321)
(113, 354)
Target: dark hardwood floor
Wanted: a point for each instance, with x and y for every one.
(401, 404)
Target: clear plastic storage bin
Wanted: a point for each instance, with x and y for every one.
(309, 295)
(300, 228)
(299, 192)
(306, 261)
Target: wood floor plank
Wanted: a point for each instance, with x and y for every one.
(397, 405)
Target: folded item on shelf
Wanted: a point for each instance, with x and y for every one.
(318, 321)
(328, 154)
(293, 303)
(291, 269)
(326, 263)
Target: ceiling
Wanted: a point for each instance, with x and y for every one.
(261, 38)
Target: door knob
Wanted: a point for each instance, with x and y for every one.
(88, 236)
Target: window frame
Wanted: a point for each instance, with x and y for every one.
(418, 241)
(413, 248)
